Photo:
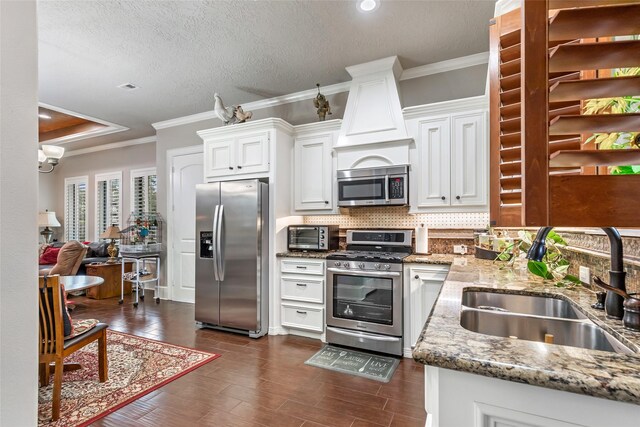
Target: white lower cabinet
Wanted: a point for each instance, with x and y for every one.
(455, 398)
(422, 287)
(310, 318)
(303, 295)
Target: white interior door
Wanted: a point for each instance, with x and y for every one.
(186, 172)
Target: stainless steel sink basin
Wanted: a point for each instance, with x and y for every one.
(524, 304)
(574, 333)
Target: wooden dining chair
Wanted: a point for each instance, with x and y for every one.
(53, 347)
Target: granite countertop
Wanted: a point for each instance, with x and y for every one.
(301, 254)
(444, 343)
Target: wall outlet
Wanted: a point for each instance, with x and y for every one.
(460, 249)
(585, 274)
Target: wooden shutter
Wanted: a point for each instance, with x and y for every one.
(75, 208)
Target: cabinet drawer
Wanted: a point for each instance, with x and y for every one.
(300, 317)
(302, 289)
(432, 274)
(302, 266)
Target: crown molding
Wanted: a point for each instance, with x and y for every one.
(379, 66)
(121, 144)
(444, 66)
(257, 105)
(263, 124)
(446, 107)
(411, 73)
(326, 126)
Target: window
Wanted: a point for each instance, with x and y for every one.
(108, 201)
(143, 190)
(75, 208)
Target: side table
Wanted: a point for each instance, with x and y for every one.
(112, 275)
(137, 282)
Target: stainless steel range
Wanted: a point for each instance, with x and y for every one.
(364, 290)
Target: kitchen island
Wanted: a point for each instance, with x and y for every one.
(473, 379)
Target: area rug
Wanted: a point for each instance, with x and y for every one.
(353, 362)
(137, 366)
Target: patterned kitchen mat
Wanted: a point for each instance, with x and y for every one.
(368, 365)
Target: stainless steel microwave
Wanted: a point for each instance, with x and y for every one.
(313, 237)
(382, 186)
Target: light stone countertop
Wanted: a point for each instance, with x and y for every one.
(301, 254)
(444, 343)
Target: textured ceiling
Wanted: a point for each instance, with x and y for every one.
(180, 52)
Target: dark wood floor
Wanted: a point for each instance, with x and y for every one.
(261, 382)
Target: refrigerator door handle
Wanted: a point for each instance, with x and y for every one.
(216, 254)
(220, 242)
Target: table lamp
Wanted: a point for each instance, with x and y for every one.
(112, 233)
(47, 219)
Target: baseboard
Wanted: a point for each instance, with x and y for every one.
(278, 330)
(407, 352)
(306, 334)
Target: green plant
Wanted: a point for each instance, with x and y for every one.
(617, 140)
(554, 265)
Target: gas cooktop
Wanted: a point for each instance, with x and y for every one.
(395, 257)
(387, 246)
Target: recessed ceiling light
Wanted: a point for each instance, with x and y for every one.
(128, 86)
(44, 116)
(368, 5)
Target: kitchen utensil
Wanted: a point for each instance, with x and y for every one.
(631, 318)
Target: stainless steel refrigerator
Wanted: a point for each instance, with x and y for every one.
(232, 270)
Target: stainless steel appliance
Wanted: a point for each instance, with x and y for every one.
(313, 237)
(232, 270)
(364, 290)
(383, 186)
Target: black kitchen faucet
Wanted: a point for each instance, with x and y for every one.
(613, 302)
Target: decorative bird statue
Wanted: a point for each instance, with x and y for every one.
(241, 115)
(322, 105)
(227, 114)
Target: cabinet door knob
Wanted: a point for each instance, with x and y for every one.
(416, 277)
(326, 202)
(457, 197)
(230, 168)
(239, 167)
(444, 198)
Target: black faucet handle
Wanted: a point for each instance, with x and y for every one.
(599, 304)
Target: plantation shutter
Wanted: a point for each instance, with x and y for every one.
(144, 191)
(75, 209)
(108, 201)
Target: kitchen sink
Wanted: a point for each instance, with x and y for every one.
(574, 333)
(523, 304)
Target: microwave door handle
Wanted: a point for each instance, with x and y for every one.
(214, 238)
(386, 188)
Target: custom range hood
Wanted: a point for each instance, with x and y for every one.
(373, 132)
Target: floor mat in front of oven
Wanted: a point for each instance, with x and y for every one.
(372, 366)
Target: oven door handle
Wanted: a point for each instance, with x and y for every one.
(368, 335)
(364, 273)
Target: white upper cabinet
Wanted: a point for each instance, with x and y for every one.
(242, 154)
(219, 157)
(434, 147)
(253, 153)
(449, 164)
(468, 159)
(314, 176)
(313, 172)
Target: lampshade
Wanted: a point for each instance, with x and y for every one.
(47, 219)
(41, 156)
(112, 232)
(53, 151)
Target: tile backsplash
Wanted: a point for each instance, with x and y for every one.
(399, 217)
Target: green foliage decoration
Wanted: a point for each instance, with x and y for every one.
(554, 266)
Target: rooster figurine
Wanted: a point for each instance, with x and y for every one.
(226, 114)
(241, 115)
